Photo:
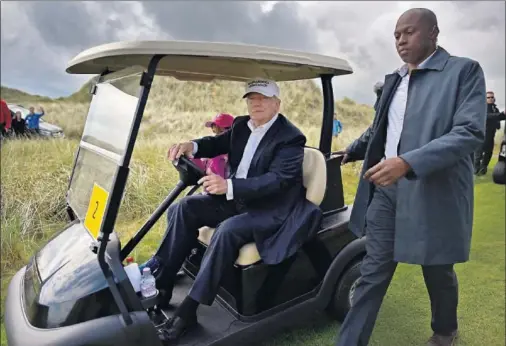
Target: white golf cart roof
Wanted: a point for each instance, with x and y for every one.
(206, 61)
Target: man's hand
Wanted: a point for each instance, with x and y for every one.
(179, 149)
(214, 184)
(345, 158)
(387, 172)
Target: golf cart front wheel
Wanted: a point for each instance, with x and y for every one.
(341, 300)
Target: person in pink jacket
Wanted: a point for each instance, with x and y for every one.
(217, 165)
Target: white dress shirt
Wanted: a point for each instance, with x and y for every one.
(397, 110)
(257, 133)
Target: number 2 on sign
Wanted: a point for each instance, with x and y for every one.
(96, 210)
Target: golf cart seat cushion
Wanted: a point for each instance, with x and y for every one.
(314, 180)
(248, 254)
(314, 173)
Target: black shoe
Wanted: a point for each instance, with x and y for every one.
(175, 329)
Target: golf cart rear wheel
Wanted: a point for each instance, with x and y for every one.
(343, 294)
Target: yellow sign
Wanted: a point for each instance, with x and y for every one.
(96, 210)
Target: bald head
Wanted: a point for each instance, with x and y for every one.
(416, 35)
(423, 15)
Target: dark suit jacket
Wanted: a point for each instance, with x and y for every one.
(273, 189)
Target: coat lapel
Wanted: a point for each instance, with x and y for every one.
(389, 88)
(240, 139)
(378, 136)
(267, 138)
(438, 61)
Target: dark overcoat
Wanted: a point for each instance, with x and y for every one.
(444, 124)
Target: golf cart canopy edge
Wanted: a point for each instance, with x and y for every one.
(207, 61)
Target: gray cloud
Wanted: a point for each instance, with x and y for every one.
(65, 23)
(241, 22)
(39, 38)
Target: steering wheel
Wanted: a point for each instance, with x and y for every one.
(189, 172)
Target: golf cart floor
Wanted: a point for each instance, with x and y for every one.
(214, 322)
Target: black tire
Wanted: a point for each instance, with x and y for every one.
(340, 302)
(499, 173)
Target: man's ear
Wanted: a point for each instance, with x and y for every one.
(434, 33)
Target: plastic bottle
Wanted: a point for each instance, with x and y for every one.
(148, 284)
(133, 273)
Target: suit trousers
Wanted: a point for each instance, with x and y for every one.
(377, 270)
(234, 228)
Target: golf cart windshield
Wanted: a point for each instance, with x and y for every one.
(103, 145)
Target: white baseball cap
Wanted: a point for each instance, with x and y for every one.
(265, 87)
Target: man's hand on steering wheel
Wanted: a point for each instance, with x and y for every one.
(214, 184)
(179, 149)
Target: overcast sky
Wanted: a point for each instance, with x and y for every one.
(39, 38)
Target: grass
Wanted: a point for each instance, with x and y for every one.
(34, 177)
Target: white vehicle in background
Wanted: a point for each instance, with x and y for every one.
(45, 129)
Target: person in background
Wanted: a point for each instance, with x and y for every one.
(18, 125)
(33, 120)
(337, 127)
(378, 90)
(5, 118)
(217, 165)
(484, 153)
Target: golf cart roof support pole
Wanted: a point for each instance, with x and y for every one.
(118, 189)
(146, 80)
(328, 115)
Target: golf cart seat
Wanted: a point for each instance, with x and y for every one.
(314, 172)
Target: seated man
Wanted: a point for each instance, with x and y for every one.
(262, 201)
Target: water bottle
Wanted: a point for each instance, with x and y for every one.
(133, 273)
(148, 284)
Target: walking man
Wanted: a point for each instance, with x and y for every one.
(415, 199)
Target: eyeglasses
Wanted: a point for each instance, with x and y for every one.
(490, 97)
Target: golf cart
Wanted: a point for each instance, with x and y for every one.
(75, 291)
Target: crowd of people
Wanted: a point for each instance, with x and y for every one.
(12, 124)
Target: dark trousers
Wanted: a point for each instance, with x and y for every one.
(377, 271)
(484, 154)
(235, 229)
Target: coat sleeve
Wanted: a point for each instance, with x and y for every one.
(356, 150)
(212, 146)
(466, 134)
(285, 168)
